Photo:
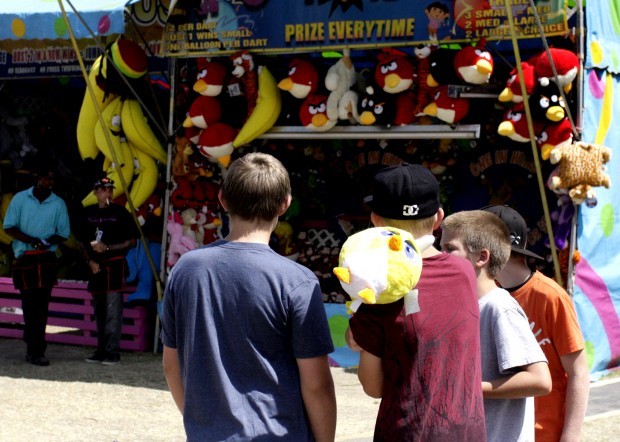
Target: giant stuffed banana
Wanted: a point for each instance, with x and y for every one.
(112, 121)
(145, 178)
(139, 133)
(88, 116)
(266, 112)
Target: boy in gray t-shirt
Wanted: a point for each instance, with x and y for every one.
(514, 368)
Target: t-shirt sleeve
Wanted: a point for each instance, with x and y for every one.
(565, 331)
(515, 343)
(310, 330)
(367, 326)
(168, 322)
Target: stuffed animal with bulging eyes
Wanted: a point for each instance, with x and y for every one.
(381, 265)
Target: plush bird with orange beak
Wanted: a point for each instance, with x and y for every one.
(381, 265)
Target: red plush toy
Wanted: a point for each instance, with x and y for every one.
(394, 73)
(514, 125)
(210, 78)
(302, 80)
(512, 91)
(558, 135)
(474, 64)
(205, 110)
(424, 91)
(566, 64)
(313, 113)
(216, 143)
(448, 109)
(246, 72)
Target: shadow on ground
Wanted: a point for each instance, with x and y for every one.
(67, 365)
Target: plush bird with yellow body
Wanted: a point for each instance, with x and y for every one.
(381, 265)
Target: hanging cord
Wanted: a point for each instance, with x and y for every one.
(109, 141)
(553, 68)
(530, 127)
(144, 107)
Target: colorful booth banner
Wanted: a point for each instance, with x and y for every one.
(338, 320)
(603, 20)
(212, 27)
(43, 19)
(597, 281)
(35, 41)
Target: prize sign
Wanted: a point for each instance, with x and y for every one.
(211, 27)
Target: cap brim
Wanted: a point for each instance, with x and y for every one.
(526, 252)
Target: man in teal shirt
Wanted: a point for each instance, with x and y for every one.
(38, 221)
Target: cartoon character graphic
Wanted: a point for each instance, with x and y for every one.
(438, 16)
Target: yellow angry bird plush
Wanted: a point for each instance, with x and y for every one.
(381, 265)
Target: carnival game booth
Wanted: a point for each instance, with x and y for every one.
(487, 97)
(61, 63)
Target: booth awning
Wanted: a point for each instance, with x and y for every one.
(43, 19)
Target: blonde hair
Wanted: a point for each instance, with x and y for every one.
(480, 230)
(417, 227)
(256, 187)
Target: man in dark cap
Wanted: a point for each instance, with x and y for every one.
(425, 366)
(550, 310)
(106, 232)
(38, 221)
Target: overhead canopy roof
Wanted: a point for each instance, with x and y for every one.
(43, 19)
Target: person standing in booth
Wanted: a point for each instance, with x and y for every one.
(106, 232)
(38, 221)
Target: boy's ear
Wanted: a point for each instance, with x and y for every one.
(483, 258)
(285, 205)
(222, 200)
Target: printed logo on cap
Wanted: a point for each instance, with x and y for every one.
(412, 210)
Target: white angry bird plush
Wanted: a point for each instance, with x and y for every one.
(381, 265)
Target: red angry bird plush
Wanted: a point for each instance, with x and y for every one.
(313, 113)
(514, 125)
(448, 109)
(210, 78)
(216, 143)
(566, 64)
(512, 91)
(474, 64)
(394, 73)
(203, 112)
(302, 80)
(554, 136)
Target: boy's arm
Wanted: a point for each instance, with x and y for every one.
(319, 396)
(577, 390)
(370, 374)
(172, 373)
(533, 380)
(370, 371)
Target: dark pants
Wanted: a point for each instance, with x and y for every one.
(35, 304)
(109, 317)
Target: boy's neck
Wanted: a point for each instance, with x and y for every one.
(514, 273)
(485, 285)
(242, 230)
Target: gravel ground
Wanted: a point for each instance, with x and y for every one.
(74, 401)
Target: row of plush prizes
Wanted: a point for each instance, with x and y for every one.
(402, 90)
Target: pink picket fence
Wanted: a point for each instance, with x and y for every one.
(71, 311)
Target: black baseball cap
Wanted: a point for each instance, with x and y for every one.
(407, 191)
(104, 182)
(517, 227)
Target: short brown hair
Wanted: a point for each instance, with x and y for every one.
(478, 231)
(256, 187)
